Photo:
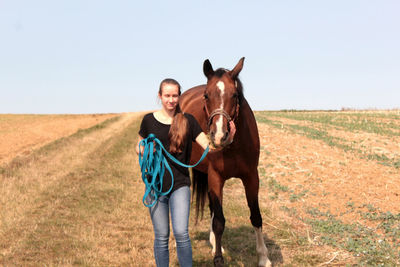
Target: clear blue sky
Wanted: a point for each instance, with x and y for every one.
(77, 56)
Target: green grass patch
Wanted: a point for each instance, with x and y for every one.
(295, 197)
(371, 248)
(274, 185)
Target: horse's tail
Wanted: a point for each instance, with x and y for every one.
(200, 190)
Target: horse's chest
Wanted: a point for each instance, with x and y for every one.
(227, 166)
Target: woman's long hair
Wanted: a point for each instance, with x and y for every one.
(179, 126)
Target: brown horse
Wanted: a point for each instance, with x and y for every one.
(214, 105)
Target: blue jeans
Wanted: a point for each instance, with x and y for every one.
(179, 205)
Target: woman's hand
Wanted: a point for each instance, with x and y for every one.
(137, 146)
(142, 148)
(203, 140)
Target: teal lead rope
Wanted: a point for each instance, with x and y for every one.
(153, 167)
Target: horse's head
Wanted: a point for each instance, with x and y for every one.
(222, 96)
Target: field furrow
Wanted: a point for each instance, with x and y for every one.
(387, 123)
(21, 134)
(384, 149)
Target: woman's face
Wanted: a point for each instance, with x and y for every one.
(169, 96)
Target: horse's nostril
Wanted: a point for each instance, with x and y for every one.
(225, 135)
(212, 134)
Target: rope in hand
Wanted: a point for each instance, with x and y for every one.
(153, 164)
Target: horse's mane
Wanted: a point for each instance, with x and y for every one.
(221, 71)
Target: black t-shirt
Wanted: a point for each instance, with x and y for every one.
(181, 174)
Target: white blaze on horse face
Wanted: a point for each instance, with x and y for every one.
(219, 133)
(221, 87)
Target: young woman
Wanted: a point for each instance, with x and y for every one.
(176, 131)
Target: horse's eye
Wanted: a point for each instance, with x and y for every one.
(235, 95)
(205, 96)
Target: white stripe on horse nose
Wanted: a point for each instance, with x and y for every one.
(220, 122)
(219, 133)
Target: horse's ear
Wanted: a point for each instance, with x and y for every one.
(208, 69)
(236, 70)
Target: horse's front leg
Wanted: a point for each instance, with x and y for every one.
(212, 234)
(216, 183)
(251, 185)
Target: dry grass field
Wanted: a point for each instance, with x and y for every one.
(329, 194)
(20, 134)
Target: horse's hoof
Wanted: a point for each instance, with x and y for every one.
(264, 262)
(268, 264)
(218, 261)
